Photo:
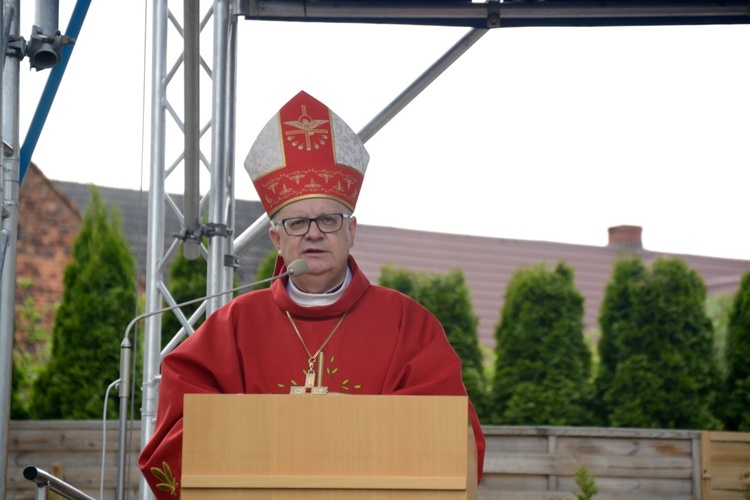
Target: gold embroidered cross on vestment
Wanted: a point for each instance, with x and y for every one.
(311, 385)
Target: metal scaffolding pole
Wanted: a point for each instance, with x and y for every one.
(191, 200)
(155, 238)
(10, 183)
(220, 197)
(221, 192)
(6, 341)
(231, 261)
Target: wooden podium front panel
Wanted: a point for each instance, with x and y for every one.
(332, 446)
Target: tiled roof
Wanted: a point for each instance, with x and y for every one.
(488, 263)
(133, 207)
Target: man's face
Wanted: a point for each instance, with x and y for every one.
(326, 254)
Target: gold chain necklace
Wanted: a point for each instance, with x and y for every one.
(310, 377)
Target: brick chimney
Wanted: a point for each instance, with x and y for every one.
(625, 238)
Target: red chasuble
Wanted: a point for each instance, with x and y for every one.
(386, 344)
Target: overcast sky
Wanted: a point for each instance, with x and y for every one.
(551, 134)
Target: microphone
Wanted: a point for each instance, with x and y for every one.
(297, 267)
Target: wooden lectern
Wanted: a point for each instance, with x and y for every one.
(272, 446)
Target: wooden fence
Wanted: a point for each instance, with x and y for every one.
(725, 458)
(71, 450)
(522, 463)
(539, 462)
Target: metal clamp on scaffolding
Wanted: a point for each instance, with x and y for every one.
(493, 14)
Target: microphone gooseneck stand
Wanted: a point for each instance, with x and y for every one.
(295, 268)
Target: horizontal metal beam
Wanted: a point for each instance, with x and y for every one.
(507, 14)
(435, 12)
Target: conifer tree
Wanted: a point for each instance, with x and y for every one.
(719, 307)
(661, 368)
(30, 358)
(447, 297)
(543, 363)
(737, 406)
(18, 409)
(99, 300)
(616, 318)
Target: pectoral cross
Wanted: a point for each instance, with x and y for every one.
(312, 386)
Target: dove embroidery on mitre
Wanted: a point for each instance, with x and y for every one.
(308, 128)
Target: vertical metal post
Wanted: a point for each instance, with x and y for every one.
(155, 240)
(217, 214)
(10, 176)
(6, 13)
(221, 194)
(229, 141)
(191, 57)
(47, 16)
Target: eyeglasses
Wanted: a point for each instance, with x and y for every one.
(327, 223)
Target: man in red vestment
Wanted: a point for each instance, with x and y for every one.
(327, 329)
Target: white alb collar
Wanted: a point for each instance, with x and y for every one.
(306, 299)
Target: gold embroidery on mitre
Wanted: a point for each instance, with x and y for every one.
(297, 177)
(349, 180)
(311, 186)
(286, 193)
(271, 186)
(309, 129)
(327, 175)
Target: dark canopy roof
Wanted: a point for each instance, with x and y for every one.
(505, 14)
